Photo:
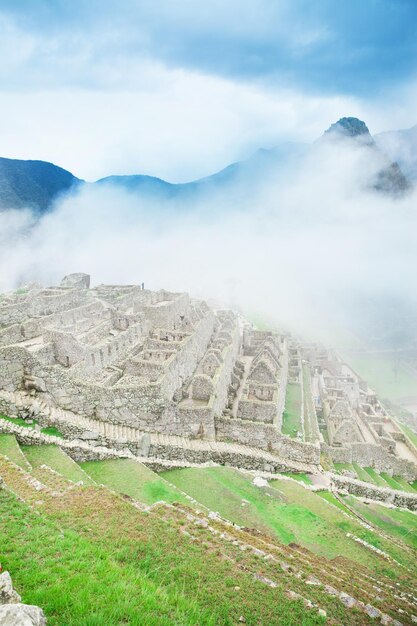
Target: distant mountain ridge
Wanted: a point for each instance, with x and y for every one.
(33, 184)
(38, 184)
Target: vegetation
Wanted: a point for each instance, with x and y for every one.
(291, 419)
(10, 448)
(19, 421)
(56, 459)
(133, 479)
(91, 557)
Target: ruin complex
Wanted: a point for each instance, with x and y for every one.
(159, 373)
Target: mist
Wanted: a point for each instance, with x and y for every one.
(314, 249)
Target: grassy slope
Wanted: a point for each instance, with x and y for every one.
(10, 448)
(132, 479)
(118, 565)
(291, 419)
(287, 511)
(396, 522)
(56, 459)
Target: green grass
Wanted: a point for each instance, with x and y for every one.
(285, 510)
(390, 481)
(10, 448)
(404, 485)
(329, 497)
(56, 459)
(19, 421)
(133, 479)
(395, 522)
(291, 418)
(51, 430)
(104, 562)
(362, 473)
(409, 432)
(377, 478)
(339, 467)
(302, 478)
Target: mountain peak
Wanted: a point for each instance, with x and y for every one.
(349, 127)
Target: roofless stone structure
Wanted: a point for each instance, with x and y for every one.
(159, 372)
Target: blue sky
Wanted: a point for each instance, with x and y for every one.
(180, 88)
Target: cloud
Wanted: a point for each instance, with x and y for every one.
(307, 253)
(323, 46)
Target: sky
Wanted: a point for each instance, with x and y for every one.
(179, 88)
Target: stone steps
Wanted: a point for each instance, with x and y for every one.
(113, 433)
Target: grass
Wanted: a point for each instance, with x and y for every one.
(376, 478)
(291, 419)
(92, 558)
(285, 510)
(409, 432)
(19, 421)
(101, 561)
(362, 473)
(404, 485)
(10, 448)
(302, 478)
(56, 459)
(340, 467)
(395, 522)
(391, 481)
(133, 479)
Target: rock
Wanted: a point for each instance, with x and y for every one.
(88, 435)
(21, 615)
(372, 611)
(347, 600)
(266, 581)
(7, 594)
(242, 619)
(322, 613)
(78, 280)
(331, 590)
(258, 481)
(312, 580)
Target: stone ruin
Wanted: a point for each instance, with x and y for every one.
(358, 428)
(114, 361)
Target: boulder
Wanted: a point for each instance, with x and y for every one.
(7, 594)
(76, 281)
(21, 615)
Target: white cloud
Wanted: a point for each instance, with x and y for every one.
(305, 250)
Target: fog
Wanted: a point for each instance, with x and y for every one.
(315, 250)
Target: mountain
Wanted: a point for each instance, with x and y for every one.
(38, 184)
(401, 146)
(389, 177)
(33, 184)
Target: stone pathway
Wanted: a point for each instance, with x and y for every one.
(194, 450)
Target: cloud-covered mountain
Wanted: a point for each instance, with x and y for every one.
(401, 146)
(37, 184)
(33, 184)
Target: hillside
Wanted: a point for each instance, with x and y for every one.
(277, 554)
(32, 184)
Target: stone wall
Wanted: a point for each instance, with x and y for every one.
(266, 437)
(77, 450)
(371, 455)
(372, 492)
